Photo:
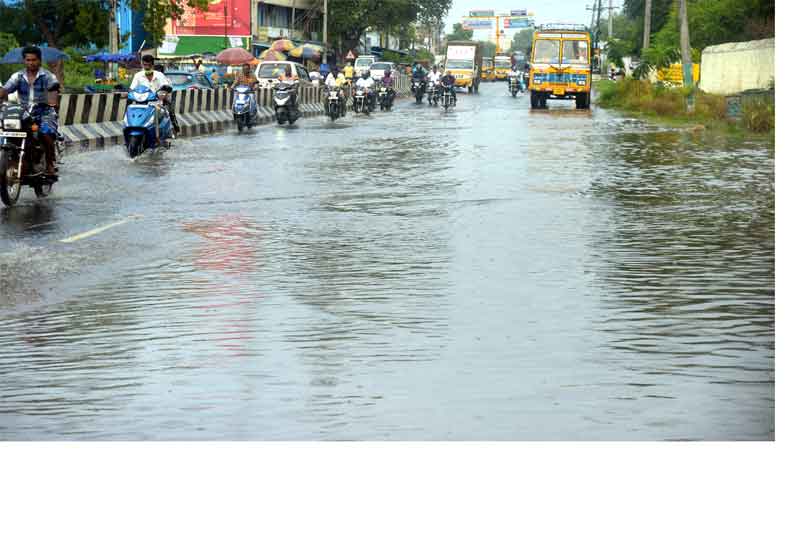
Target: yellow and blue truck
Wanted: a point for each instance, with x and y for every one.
(463, 59)
(560, 65)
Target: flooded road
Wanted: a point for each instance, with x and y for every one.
(489, 274)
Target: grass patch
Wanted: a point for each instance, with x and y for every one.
(670, 104)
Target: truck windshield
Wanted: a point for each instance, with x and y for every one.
(547, 51)
(574, 52)
(460, 65)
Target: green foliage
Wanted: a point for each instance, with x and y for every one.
(459, 34)
(7, 42)
(349, 19)
(522, 41)
(758, 114)
(488, 48)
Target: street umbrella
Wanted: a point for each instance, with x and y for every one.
(282, 46)
(48, 56)
(234, 56)
(309, 52)
(270, 54)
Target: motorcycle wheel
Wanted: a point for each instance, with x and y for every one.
(240, 123)
(9, 192)
(135, 145)
(42, 190)
(418, 98)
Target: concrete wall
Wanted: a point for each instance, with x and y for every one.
(731, 68)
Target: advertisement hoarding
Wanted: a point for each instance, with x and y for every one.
(481, 13)
(518, 13)
(222, 18)
(460, 52)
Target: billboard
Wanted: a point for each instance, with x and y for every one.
(477, 24)
(518, 13)
(481, 13)
(222, 18)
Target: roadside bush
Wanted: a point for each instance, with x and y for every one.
(758, 114)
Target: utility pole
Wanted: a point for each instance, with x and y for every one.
(686, 55)
(113, 35)
(646, 36)
(225, 22)
(609, 26)
(325, 31)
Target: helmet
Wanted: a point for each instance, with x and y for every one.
(387, 72)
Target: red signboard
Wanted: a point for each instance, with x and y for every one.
(222, 18)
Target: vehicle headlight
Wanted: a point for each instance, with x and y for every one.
(12, 124)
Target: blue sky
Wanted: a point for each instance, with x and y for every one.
(546, 11)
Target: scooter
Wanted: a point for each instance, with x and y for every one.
(244, 109)
(333, 106)
(447, 97)
(385, 98)
(147, 124)
(285, 98)
(22, 158)
(513, 85)
(418, 87)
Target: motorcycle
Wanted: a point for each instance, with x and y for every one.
(418, 87)
(361, 102)
(433, 94)
(333, 105)
(147, 124)
(513, 84)
(385, 98)
(447, 97)
(22, 158)
(244, 108)
(285, 98)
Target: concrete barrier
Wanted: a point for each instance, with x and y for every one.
(92, 121)
(732, 68)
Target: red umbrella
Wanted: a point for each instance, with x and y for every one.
(234, 56)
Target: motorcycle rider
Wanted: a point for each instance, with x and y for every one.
(433, 79)
(247, 78)
(449, 81)
(388, 81)
(38, 87)
(155, 80)
(336, 81)
(367, 83)
(349, 71)
(518, 73)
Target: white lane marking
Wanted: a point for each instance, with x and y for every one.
(95, 231)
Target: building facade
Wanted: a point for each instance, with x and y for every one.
(300, 20)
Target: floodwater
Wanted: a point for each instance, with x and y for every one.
(487, 274)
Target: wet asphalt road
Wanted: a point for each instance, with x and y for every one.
(490, 273)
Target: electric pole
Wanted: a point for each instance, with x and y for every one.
(646, 37)
(686, 55)
(113, 36)
(325, 31)
(609, 26)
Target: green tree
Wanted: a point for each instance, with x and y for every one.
(488, 49)
(522, 41)
(459, 34)
(58, 23)
(157, 12)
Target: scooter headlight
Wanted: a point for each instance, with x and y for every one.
(12, 124)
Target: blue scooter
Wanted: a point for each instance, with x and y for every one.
(244, 107)
(147, 125)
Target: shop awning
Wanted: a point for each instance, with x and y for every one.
(180, 46)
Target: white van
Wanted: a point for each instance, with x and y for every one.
(362, 64)
(268, 72)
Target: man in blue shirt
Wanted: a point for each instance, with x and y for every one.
(37, 87)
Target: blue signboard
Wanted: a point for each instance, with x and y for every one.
(517, 22)
(477, 24)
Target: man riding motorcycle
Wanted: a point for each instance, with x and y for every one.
(367, 83)
(155, 80)
(336, 80)
(38, 87)
(388, 81)
(449, 81)
(247, 78)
